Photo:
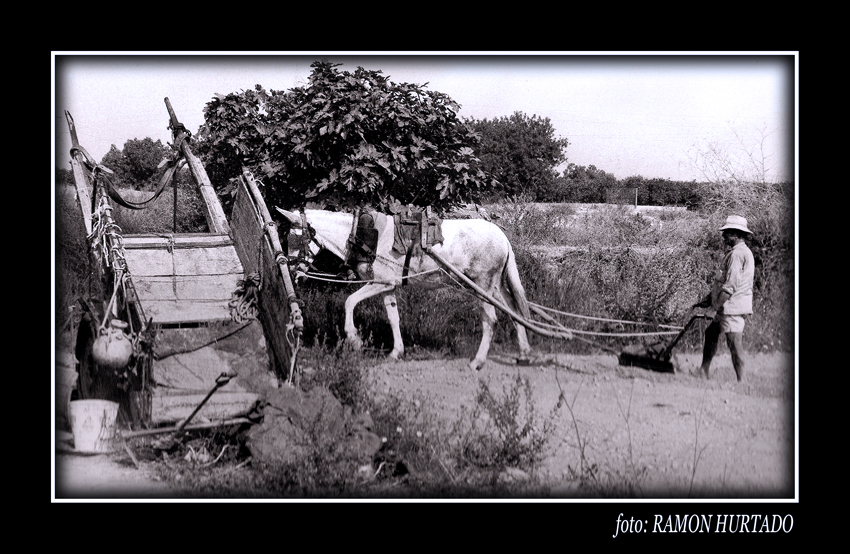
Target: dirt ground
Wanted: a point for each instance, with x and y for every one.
(668, 435)
(671, 435)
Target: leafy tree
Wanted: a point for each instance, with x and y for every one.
(136, 166)
(585, 184)
(347, 139)
(521, 152)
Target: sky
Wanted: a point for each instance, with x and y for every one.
(629, 114)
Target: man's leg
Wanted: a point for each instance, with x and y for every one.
(736, 347)
(712, 336)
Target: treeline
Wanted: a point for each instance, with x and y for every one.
(589, 184)
(522, 154)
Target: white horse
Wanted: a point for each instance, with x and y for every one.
(479, 249)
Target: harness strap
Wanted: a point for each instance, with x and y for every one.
(351, 236)
(407, 257)
(305, 244)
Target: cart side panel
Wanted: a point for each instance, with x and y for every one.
(256, 253)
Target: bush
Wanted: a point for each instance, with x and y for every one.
(337, 368)
(158, 216)
(73, 277)
(506, 431)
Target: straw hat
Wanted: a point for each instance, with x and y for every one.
(736, 222)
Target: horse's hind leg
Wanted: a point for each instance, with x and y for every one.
(488, 321)
(521, 333)
(392, 314)
(524, 347)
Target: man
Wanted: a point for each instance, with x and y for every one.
(731, 298)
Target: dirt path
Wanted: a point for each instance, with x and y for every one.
(659, 435)
(665, 435)
(105, 476)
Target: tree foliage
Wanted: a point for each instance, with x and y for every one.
(347, 139)
(583, 184)
(661, 192)
(521, 153)
(64, 177)
(136, 165)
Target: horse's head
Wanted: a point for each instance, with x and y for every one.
(330, 229)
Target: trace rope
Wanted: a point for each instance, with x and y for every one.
(300, 274)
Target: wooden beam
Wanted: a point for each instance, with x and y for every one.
(216, 220)
(81, 179)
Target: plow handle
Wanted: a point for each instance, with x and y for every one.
(665, 355)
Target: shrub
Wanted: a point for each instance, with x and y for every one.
(72, 259)
(506, 431)
(158, 216)
(414, 434)
(658, 286)
(337, 368)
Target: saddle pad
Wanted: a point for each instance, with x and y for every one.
(409, 232)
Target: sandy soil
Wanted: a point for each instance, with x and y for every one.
(671, 435)
(667, 435)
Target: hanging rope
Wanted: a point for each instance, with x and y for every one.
(316, 276)
(244, 304)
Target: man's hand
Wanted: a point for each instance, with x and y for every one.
(704, 303)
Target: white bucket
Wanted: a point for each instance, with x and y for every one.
(93, 425)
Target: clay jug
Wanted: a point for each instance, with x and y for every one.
(112, 348)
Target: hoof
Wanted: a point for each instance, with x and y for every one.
(476, 365)
(396, 355)
(523, 361)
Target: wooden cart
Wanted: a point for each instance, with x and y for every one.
(176, 293)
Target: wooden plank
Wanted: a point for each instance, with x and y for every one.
(247, 230)
(197, 288)
(81, 178)
(178, 240)
(82, 186)
(184, 278)
(148, 262)
(206, 261)
(216, 221)
(185, 312)
(195, 261)
(249, 239)
(166, 408)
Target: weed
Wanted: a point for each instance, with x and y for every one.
(506, 431)
(414, 434)
(697, 451)
(339, 369)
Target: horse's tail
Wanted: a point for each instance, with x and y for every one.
(510, 274)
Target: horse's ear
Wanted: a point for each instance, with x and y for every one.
(291, 216)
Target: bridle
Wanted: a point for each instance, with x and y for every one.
(302, 262)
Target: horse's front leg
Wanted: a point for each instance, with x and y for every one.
(392, 314)
(363, 293)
